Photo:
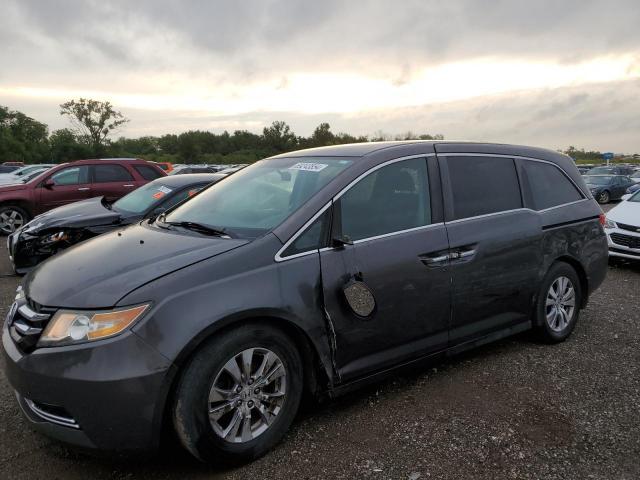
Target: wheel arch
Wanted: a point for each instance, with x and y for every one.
(23, 204)
(316, 378)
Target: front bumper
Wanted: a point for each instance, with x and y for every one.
(107, 395)
(623, 243)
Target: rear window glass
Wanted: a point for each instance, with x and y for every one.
(148, 173)
(483, 185)
(548, 186)
(111, 173)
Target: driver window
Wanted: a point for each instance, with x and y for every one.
(71, 176)
(391, 199)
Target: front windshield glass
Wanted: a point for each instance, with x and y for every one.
(635, 197)
(636, 175)
(30, 176)
(142, 199)
(593, 180)
(256, 199)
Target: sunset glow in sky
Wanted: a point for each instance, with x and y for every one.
(515, 72)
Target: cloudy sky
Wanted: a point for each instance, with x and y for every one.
(547, 73)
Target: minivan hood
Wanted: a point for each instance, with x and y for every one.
(99, 272)
(75, 215)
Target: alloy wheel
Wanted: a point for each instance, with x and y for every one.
(604, 197)
(10, 221)
(560, 305)
(247, 395)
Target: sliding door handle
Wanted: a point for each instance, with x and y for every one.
(434, 261)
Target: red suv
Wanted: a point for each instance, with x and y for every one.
(70, 182)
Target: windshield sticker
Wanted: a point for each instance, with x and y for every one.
(164, 189)
(158, 195)
(309, 167)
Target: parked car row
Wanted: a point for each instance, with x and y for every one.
(314, 271)
(606, 188)
(70, 182)
(58, 229)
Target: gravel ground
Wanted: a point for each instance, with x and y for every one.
(514, 409)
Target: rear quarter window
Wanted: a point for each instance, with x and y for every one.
(548, 186)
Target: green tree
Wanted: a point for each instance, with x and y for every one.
(22, 138)
(64, 146)
(93, 120)
(279, 138)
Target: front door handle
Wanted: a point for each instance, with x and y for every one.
(84, 189)
(128, 185)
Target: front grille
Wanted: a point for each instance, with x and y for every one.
(625, 240)
(27, 321)
(631, 228)
(626, 252)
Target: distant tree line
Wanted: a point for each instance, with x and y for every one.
(93, 123)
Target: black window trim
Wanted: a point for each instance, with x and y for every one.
(279, 258)
(445, 171)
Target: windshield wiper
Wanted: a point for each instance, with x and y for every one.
(200, 228)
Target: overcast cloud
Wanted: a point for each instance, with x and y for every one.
(176, 65)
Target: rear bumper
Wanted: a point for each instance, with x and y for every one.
(110, 395)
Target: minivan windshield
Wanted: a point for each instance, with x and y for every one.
(597, 180)
(256, 199)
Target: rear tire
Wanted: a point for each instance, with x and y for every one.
(12, 218)
(258, 407)
(558, 306)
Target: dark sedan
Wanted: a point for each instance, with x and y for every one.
(62, 227)
(605, 188)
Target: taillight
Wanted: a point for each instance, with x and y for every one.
(603, 219)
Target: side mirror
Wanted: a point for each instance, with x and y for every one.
(626, 197)
(341, 242)
(49, 183)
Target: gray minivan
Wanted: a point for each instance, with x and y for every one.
(318, 271)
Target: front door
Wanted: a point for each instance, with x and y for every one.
(386, 290)
(70, 184)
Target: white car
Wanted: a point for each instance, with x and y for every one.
(622, 225)
(17, 175)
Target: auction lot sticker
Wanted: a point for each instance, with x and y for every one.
(309, 167)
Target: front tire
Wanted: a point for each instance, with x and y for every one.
(558, 306)
(238, 395)
(12, 218)
(604, 197)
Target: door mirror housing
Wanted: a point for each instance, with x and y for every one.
(341, 242)
(625, 197)
(48, 183)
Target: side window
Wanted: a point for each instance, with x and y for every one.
(146, 172)
(483, 185)
(313, 238)
(390, 199)
(111, 173)
(548, 186)
(71, 176)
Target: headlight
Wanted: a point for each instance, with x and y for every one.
(609, 223)
(54, 238)
(70, 327)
